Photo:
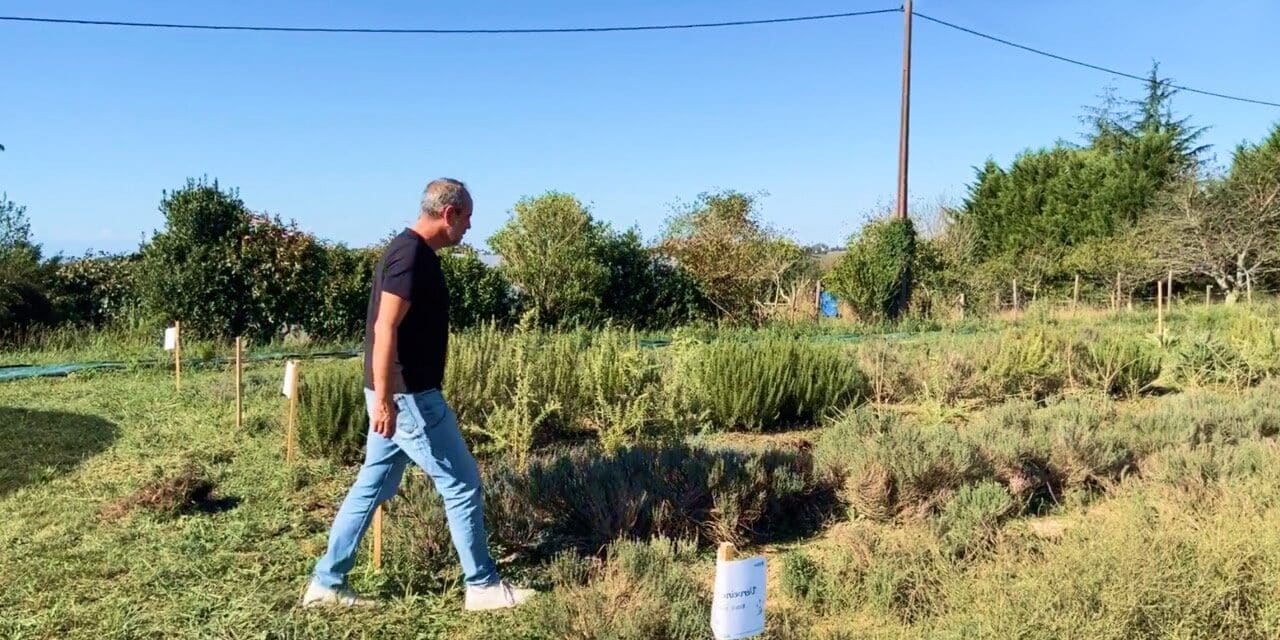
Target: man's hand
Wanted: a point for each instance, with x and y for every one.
(384, 417)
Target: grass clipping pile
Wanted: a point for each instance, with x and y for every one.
(188, 491)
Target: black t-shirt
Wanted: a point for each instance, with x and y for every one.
(411, 269)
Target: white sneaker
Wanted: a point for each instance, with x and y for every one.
(499, 595)
(317, 595)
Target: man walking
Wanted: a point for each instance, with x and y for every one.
(406, 341)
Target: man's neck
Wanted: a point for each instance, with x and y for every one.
(431, 234)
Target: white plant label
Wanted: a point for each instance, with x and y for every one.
(170, 338)
(290, 377)
(737, 607)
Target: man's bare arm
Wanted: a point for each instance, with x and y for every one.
(391, 310)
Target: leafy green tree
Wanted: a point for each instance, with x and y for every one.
(23, 299)
(96, 290)
(551, 253)
(645, 290)
(738, 262)
(1031, 216)
(477, 292)
(282, 270)
(224, 271)
(1257, 164)
(875, 272)
(342, 299)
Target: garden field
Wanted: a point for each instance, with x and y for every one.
(1045, 475)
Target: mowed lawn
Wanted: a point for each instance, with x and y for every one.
(75, 446)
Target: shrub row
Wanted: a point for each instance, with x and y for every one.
(585, 499)
(1022, 457)
(517, 392)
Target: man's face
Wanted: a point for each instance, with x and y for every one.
(459, 221)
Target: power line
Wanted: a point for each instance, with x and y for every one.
(655, 27)
(1088, 65)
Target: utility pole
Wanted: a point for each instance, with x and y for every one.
(901, 213)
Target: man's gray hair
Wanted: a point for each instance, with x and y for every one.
(441, 193)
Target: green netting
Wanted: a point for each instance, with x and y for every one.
(22, 371)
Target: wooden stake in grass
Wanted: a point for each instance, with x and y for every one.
(726, 552)
(1207, 298)
(1118, 292)
(239, 402)
(377, 537)
(1168, 293)
(1160, 308)
(290, 391)
(1016, 306)
(1075, 295)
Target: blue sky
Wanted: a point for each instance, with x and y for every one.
(340, 132)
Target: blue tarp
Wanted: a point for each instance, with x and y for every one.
(828, 305)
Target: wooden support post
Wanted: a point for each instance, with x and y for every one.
(291, 387)
(1075, 295)
(239, 386)
(1016, 301)
(177, 355)
(1207, 298)
(377, 537)
(726, 552)
(905, 123)
(1168, 294)
(1118, 293)
(1160, 308)
(962, 305)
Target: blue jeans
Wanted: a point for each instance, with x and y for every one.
(426, 434)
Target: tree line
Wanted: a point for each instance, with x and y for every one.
(1138, 198)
